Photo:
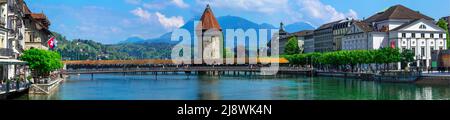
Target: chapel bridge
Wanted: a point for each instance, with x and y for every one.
(167, 66)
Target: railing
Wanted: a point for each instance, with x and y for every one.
(13, 86)
(181, 69)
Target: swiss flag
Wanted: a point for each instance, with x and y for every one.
(51, 42)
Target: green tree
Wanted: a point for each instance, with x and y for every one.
(42, 62)
(444, 25)
(292, 46)
(407, 56)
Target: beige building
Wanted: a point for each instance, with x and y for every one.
(36, 29)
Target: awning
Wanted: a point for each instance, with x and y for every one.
(12, 62)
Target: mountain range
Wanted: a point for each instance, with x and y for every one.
(226, 22)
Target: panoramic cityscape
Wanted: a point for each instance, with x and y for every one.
(223, 50)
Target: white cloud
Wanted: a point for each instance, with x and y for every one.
(134, 2)
(180, 3)
(318, 10)
(262, 6)
(154, 5)
(141, 13)
(170, 22)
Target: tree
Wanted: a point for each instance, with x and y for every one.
(407, 57)
(42, 62)
(444, 25)
(292, 46)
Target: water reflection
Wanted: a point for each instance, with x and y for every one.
(208, 87)
(204, 87)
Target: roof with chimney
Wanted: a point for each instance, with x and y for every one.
(397, 12)
(208, 20)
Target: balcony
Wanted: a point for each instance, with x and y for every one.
(6, 52)
(2, 22)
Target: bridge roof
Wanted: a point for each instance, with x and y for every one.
(150, 61)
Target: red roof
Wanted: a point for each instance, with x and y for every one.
(397, 12)
(208, 20)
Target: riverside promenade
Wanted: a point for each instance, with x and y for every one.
(14, 88)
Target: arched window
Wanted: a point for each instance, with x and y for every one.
(422, 26)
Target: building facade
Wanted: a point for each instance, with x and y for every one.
(398, 27)
(323, 38)
(305, 40)
(339, 30)
(422, 37)
(11, 38)
(36, 29)
(14, 24)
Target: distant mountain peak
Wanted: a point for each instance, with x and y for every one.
(133, 40)
(226, 22)
(298, 26)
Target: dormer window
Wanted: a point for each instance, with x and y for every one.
(422, 26)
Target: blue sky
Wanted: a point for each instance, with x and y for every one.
(112, 21)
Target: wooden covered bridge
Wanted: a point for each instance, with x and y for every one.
(165, 66)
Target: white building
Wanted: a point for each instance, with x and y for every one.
(421, 36)
(400, 27)
(11, 38)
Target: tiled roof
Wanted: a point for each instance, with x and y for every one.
(364, 26)
(208, 19)
(328, 25)
(26, 9)
(304, 33)
(397, 12)
(38, 16)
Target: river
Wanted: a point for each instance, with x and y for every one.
(195, 87)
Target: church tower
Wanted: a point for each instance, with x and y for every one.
(211, 32)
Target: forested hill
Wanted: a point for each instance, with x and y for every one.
(79, 49)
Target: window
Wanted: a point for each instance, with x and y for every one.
(431, 49)
(422, 26)
(441, 36)
(414, 51)
(413, 35)
(422, 53)
(432, 35)
(403, 35)
(422, 35)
